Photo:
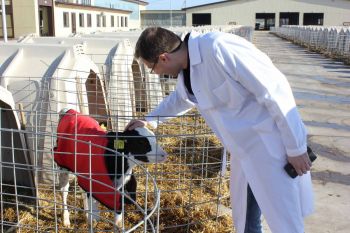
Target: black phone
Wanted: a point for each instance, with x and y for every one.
(290, 169)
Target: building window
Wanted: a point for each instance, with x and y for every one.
(9, 20)
(9, 25)
(112, 20)
(81, 20)
(313, 19)
(65, 19)
(117, 21)
(98, 20)
(104, 21)
(89, 20)
(289, 18)
(86, 2)
(199, 19)
(122, 21)
(126, 21)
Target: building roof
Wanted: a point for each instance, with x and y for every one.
(186, 8)
(143, 3)
(208, 4)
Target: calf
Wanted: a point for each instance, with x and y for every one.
(101, 172)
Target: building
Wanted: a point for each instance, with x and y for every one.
(73, 18)
(65, 17)
(134, 6)
(263, 14)
(163, 18)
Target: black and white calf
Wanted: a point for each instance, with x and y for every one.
(101, 171)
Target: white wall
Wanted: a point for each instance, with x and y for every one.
(136, 24)
(243, 12)
(25, 17)
(60, 30)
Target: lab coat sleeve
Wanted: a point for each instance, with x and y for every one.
(173, 105)
(254, 70)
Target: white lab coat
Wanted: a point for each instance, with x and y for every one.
(249, 105)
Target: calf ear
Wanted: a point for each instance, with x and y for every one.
(130, 187)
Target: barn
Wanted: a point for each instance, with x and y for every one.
(263, 14)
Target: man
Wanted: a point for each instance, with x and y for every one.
(249, 105)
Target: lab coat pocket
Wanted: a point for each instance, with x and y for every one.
(228, 93)
(271, 140)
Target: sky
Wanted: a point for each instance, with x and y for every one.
(175, 4)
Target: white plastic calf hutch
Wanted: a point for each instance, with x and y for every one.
(36, 82)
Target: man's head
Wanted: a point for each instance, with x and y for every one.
(159, 49)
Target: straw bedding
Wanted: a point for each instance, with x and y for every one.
(190, 184)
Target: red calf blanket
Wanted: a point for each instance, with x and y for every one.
(73, 154)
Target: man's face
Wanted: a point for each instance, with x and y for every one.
(165, 64)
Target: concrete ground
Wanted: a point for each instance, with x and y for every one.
(321, 87)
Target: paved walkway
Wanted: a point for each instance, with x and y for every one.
(321, 87)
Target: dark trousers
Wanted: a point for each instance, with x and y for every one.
(253, 217)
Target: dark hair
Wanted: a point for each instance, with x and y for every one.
(154, 41)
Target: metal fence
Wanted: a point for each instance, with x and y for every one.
(331, 41)
(194, 193)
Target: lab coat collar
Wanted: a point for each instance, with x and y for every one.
(182, 89)
(193, 49)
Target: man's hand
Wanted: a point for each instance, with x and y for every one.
(301, 163)
(133, 124)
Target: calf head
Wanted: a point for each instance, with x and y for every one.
(139, 144)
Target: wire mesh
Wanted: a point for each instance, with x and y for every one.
(187, 193)
(30, 203)
(195, 193)
(331, 41)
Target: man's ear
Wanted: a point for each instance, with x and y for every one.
(131, 186)
(164, 57)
